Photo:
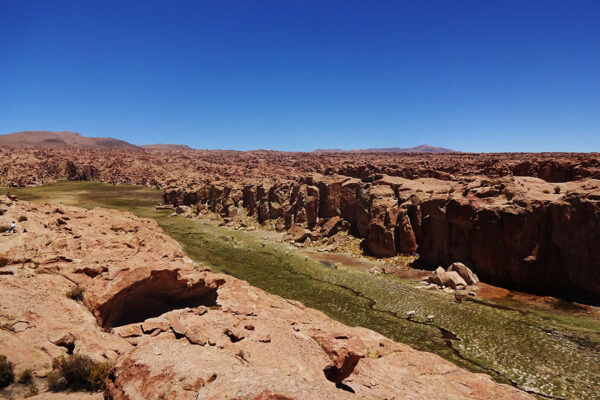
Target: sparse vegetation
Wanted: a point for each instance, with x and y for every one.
(22, 218)
(77, 373)
(3, 261)
(7, 375)
(557, 189)
(33, 391)
(76, 293)
(26, 377)
(241, 355)
(3, 228)
(546, 191)
(486, 182)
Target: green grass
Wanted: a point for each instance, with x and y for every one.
(555, 353)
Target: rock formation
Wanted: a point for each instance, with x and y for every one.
(526, 221)
(173, 330)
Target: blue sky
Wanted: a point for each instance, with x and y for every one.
(299, 75)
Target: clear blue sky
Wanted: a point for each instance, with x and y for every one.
(477, 75)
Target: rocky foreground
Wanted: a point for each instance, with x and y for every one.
(523, 221)
(114, 287)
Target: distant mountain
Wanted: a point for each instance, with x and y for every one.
(62, 139)
(160, 146)
(424, 148)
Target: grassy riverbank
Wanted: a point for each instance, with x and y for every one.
(554, 353)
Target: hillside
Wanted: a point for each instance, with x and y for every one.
(62, 139)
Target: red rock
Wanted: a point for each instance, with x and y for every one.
(380, 240)
(298, 233)
(331, 226)
(183, 349)
(454, 280)
(499, 213)
(344, 351)
(464, 272)
(407, 242)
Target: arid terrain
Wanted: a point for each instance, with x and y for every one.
(526, 221)
(171, 329)
(115, 288)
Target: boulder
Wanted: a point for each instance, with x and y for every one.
(454, 280)
(437, 277)
(464, 272)
(344, 352)
(332, 226)
(297, 233)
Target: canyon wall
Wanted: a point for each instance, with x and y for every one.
(517, 231)
(526, 221)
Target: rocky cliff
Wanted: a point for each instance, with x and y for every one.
(526, 221)
(516, 231)
(171, 329)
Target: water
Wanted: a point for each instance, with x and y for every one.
(554, 353)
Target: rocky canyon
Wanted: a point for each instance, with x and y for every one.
(114, 288)
(524, 221)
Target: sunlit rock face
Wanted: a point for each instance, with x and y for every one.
(527, 221)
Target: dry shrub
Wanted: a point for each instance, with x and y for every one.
(7, 375)
(26, 377)
(76, 293)
(77, 373)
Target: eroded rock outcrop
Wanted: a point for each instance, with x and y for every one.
(526, 221)
(174, 330)
(516, 232)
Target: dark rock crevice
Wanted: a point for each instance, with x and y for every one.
(163, 291)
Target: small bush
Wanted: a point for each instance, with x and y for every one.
(557, 189)
(486, 182)
(22, 218)
(77, 373)
(33, 391)
(546, 191)
(7, 375)
(3, 262)
(76, 293)
(26, 377)
(3, 228)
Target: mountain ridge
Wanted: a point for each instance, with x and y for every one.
(54, 139)
(423, 148)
